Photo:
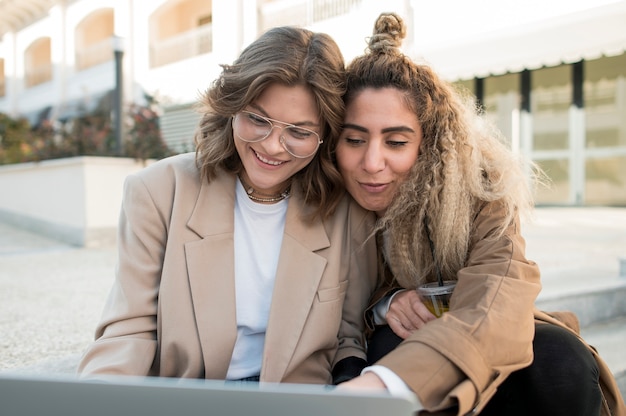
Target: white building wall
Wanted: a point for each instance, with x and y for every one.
(76, 200)
(433, 30)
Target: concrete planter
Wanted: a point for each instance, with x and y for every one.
(76, 200)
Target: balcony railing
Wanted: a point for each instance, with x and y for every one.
(302, 12)
(38, 75)
(95, 54)
(182, 46)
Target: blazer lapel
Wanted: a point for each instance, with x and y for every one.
(212, 280)
(294, 290)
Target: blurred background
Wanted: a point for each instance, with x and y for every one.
(121, 77)
(92, 90)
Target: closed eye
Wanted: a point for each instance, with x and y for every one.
(299, 132)
(354, 141)
(256, 119)
(396, 143)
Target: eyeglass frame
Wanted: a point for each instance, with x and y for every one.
(271, 122)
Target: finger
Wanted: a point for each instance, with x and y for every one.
(421, 315)
(410, 310)
(399, 316)
(400, 330)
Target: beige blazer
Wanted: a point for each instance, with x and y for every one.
(171, 311)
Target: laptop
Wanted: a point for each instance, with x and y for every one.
(28, 395)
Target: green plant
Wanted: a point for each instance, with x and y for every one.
(145, 140)
(90, 134)
(13, 146)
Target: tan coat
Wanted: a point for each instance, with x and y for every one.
(454, 359)
(171, 311)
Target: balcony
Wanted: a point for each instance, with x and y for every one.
(182, 46)
(38, 75)
(303, 12)
(94, 54)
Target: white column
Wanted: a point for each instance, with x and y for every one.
(139, 42)
(620, 106)
(58, 54)
(526, 134)
(577, 166)
(227, 29)
(122, 11)
(12, 81)
(515, 131)
(250, 24)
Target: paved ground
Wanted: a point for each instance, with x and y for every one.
(51, 294)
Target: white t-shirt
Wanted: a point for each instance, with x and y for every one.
(258, 237)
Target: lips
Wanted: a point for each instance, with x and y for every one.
(267, 161)
(373, 187)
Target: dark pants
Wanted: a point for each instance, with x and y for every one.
(562, 380)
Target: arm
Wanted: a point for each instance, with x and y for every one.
(404, 312)
(460, 359)
(126, 335)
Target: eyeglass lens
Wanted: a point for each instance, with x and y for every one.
(298, 141)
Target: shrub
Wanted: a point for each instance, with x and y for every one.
(87, 135)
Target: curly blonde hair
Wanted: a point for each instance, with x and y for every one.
(288, 56)
(462, 165)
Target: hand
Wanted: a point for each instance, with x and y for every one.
(368, 381)
(407, 313)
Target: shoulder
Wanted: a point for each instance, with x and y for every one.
(179, 165)
(491, 218)
(348, 210)
(169, 173)
(165, 178)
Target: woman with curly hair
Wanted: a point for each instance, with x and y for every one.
(449, 196)
(244, 260)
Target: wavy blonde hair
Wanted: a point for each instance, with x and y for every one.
(463, 163)
(288, 56)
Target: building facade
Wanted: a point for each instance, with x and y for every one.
(554, 82)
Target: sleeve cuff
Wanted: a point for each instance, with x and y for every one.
(379, 311)
(395, 385)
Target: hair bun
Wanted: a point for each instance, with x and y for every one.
(389, 31)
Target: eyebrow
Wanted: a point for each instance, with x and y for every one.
(398, 129)
(385, 130)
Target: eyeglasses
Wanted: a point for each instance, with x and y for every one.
(300, 142)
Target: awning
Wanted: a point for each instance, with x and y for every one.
(591, 34)
(17, 14)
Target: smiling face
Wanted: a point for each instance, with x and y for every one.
(378, 146)
(268, 166)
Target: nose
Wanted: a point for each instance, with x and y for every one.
(373, 159)
(272, 143)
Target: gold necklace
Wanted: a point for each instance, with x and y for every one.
(270, 198)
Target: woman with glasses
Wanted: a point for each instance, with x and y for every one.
(245, 260)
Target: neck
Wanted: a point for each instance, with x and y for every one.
(261, 197)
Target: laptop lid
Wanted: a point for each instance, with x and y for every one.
(28, 395)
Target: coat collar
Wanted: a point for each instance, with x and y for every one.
(212, 279)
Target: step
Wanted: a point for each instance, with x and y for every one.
(592, 299)
(609, 339)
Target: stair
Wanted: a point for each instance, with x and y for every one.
(609, 339)
(602, 315)
(581, 253)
